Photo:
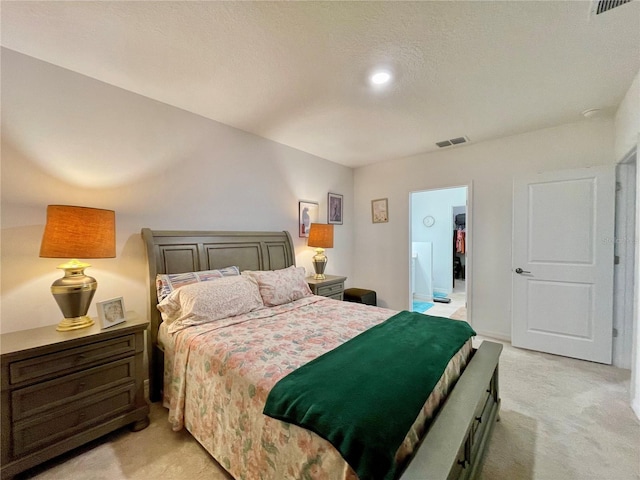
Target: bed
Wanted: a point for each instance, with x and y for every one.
(449, 442)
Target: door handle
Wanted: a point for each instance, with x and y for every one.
(519, 270)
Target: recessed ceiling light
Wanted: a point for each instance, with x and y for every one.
(380, 78)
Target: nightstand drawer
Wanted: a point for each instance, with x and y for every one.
(45, 396)
(43, 430)
(61, 390)
(72, 359)
(329, 290)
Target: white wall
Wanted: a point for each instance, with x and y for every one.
(627, 120)
(69, 139)
(627, 131)
(381, 256)
(438, 204)
(422, 253)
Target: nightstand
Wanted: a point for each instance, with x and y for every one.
(61, 390)
(332, 286)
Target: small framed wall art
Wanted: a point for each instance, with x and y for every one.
(334, 206)
(111, 312)
(380, 210)
(307, 214)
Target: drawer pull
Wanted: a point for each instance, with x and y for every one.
(81, 386)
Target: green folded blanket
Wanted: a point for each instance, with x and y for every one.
(364, 395)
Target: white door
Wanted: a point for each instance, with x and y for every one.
(563, 239)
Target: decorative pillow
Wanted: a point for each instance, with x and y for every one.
(281, 286)
(210, 301)
(167, 283)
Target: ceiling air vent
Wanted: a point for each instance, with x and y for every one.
(452, 141)
(601, 6)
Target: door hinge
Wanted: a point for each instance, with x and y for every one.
(615, 332)
(616, 260)
(618, 186)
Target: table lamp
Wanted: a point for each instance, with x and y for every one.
(77, 232)
(320, 237)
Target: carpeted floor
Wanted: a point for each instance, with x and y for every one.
(560, 419)
(563, 418)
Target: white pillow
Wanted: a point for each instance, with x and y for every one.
(210, 301)
(167, 283)
(281, 286)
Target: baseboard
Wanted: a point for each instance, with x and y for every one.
(635, 406)
(496, 335)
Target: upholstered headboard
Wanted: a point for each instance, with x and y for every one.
(192, 251)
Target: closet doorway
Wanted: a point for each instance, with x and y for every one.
(439, 252)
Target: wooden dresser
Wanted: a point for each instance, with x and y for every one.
(63, 389)
(332, 286)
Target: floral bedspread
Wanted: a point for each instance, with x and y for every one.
(218, 376)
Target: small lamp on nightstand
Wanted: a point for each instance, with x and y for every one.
(320, 237)
(77, 232)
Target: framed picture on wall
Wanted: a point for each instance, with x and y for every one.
(307, 214)
(334, 209)
(380, 210)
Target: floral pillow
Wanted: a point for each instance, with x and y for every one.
(204, 302)
(167, 283)
(281, 286)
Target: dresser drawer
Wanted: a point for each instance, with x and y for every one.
(44, 396)
(69, 360)
(75, 417)
(329, 290)
(481, 414)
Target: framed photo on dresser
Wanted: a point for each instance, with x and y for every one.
(111, 312)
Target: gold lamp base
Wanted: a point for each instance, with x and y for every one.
(73, 294)
(319, 264)
(74, 323)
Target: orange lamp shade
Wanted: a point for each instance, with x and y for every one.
(320, 236)
(79, 232)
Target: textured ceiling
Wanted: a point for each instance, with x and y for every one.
(296, 72)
